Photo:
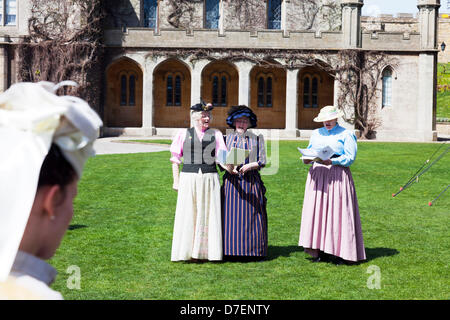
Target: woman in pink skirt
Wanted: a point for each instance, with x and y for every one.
(331, 226)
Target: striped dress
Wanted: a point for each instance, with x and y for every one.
(244, 216)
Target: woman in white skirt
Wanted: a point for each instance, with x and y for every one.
(330, 226)
(197, 232)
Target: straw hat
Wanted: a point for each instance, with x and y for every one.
(328, 113)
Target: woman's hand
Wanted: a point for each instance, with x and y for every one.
(231, 169)
(326, 162)
(175, 186)
(248, 167)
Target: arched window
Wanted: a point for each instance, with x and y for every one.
(212, 14)
(123, 90)
(261, 92)
(150, 13)
(169, 90)
(387, 87)
(173, 90)
(219, 90)
(274, 14)
(306, 86)
(128, 89)
(310, 91)
(223, 97)
(177, 90)
(132, 91)
(314, 92)
(265, 93)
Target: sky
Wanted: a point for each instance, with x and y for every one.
(375, 7)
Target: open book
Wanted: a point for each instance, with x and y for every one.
(235, 156)
(316, 154)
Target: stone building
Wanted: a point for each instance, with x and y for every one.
(162, 56)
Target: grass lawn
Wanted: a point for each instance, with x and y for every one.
(121, 234)
(443, 105)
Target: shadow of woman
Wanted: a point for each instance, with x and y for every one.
(273, 252)
(373, 253)
(286, 251)
(76, 226)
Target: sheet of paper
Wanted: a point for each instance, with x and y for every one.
(324, 153)
(235, 156)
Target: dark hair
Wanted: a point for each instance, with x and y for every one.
(56, 170)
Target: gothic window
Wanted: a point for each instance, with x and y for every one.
(132, 91)
(265, 98)
(310, 92)
(173, 90)
(150, 13)
(212, 14)
(387, 87)
(123, 90)
(219, 90)
(128, 89)
(8, 12)
(274, 14)
(177, 94)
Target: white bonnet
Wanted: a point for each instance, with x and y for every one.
(32, 117)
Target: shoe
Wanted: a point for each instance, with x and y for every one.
(322, 257)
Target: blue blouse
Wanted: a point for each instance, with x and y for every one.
(342, 141)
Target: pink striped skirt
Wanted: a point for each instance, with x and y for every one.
(330, 216)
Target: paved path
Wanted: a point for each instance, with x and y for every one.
(115, 146)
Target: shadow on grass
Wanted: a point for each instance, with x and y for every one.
(281, 251)
(285, 251)
(373, 253)
(76, 226)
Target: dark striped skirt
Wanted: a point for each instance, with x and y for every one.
(244, 216)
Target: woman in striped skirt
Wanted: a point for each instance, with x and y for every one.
(244, 216)
(330, 226)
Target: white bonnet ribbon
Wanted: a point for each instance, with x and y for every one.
(30, 117)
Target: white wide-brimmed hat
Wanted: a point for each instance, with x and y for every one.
(328, 113)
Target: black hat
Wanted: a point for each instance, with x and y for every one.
(202, 106)
(241, 111)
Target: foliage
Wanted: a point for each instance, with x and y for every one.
(64, 43)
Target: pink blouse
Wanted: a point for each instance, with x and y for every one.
(176, 148)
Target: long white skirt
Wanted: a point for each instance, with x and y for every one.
(197, 231)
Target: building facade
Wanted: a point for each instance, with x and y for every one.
(162, 56)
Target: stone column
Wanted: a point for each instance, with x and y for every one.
(196, 80)
(351, 23)
(284, 9)
(428, 22)
(427, 77)
(291, 102)
(426, 103)
(150, 64)
(3, 67)
(221, 18)
(244, 68)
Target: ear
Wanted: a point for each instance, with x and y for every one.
(52, 196)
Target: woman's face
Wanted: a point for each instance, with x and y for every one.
(241, 124)
(330, 124)
(204, 120)
(60, 223)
